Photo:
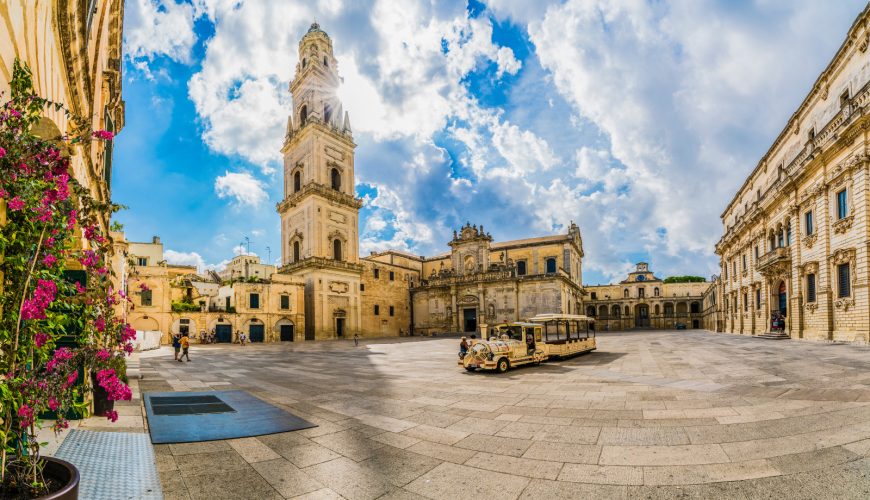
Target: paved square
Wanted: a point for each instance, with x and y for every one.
(649, 415)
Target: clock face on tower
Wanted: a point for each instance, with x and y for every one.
(641, 277)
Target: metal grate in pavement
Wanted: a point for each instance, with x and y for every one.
(112, 465)
(184, 404)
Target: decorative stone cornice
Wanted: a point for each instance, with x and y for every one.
(320, 263)
(317, 189)
(845, 303)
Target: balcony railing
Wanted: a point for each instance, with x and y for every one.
(772, 258)
(320, 262)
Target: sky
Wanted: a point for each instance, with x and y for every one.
(638, 120)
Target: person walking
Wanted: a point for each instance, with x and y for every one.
(463, 348)
(242, 338)
(356, 339)
(176, 345)
(185, 345)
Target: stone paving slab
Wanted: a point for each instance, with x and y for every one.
(648, 415)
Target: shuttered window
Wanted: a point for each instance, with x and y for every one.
(842, 208)
(808, 222)
(254, 300)
(811, 287)
(844, 288)
(758, 298)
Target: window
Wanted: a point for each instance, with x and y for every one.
(392, 310)
(521, 268)
(594, 296)
(377, 310)
(362, 287)
(745, 302)
(756, 252)
(92, 9)
(844, 99)
(145, 298)
(811, 134)
(781, 239)
(808, 222)
(625, 293)
(788, 234)
(811, 287)
(303, 114)
(734, 267)
(656, 291)
(142, 261)
(744, 261)
(297, 182)
(336, 179)
(254, 300)
(285, 302)
(325, 61)
(844, 288)
(377, 273)
(842, 208)
(640, 293)
(336, 249)
(551, 265)
(758, 298)
(392, 276)
(296, 251)
(327, 113)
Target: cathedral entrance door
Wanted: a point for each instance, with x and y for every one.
(469, 317)
(339, 327)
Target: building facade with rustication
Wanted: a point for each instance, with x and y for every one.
(796, 234)
(643, 300)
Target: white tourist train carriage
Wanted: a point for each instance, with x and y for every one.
(519, 343)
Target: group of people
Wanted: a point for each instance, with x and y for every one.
(464, 345)
(181, 345)
(777, 322)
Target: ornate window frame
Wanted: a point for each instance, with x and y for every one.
(297, 236)
(839, 257)
(840, 178)
(806, 269)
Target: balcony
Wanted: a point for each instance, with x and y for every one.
(772, 262)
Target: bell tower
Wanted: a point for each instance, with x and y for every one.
(320, 212)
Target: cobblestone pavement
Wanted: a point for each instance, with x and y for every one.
(685, 414)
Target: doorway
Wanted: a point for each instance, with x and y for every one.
(696, 323)
(287, 334)
(223, 334)
(339, 327)
(641, 316)
(469, 320)
(783, 299)
(257, 333)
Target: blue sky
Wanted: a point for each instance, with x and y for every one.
(637, 120)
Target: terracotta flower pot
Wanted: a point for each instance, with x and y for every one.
(64, 473)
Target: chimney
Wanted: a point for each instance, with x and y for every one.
(155, 240)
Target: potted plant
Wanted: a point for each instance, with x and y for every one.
(52, 328)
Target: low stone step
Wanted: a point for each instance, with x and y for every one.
(773, 336)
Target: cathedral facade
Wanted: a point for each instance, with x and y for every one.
(394, 293)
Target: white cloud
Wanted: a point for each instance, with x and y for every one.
(242, 188)
(192, 259)
(507, 62)
(158, 28)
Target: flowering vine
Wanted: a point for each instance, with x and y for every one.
(57, 304)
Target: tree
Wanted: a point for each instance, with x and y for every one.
(684, 279)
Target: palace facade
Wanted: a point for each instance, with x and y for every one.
(643, 300)
(796, 234)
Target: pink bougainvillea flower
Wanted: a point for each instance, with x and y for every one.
(53, 404)
(25, 413)
(40, 339)
(16, 204)
(2, 152)
(80, 288)
(103, 134)
(49, 260)
(100, 324)
(112, 415)
(90, 258)
(103, 355)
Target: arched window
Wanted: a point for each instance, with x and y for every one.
(296, 251)
(656, 291)
(602, 311)
(590, 311)
(297, 182)
(627, 311)
(304, 62)
(325, 61)
(625, 293)
(656, 309)
(788, 234)
(336, 249)
(551, 265)
(615, 310)
(336, 179)
(303, 114)
(327, 113)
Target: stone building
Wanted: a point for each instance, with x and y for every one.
(175, 299)
(246, 266)
(795, 239)
(73, 49)
(643, 300)
(481, 282)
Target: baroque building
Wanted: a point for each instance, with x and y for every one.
(73, 49)
(480, 282)
(795, 240)
(643, 300)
